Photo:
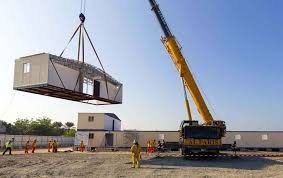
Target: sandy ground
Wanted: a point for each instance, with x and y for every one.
(118, 164)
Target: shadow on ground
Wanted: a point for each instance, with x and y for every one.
(247, 163)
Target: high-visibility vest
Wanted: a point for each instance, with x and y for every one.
(8, 145)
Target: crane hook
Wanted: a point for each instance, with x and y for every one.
(82, 17)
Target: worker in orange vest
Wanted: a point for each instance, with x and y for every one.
(26, 147)
(50, 143)
(82, 146)
(33, 146)
(148, 146)
(54, 146)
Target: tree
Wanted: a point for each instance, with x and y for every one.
(70, 133)
(40, 126)
(8, 126)
(69, 124)
(21, 127)
(57, 124)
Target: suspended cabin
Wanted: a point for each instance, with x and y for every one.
(54, 76)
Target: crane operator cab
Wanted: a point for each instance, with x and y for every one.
(198, 139)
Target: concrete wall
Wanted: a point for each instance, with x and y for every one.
(255, 139)
(248, 139)
(125, 138)
(83, 122)
(42, 141)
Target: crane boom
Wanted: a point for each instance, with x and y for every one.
(174, 50)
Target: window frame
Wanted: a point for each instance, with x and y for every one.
(26, 67)
(238, 137)
(91, 136)
(90, 118)
(264, 137)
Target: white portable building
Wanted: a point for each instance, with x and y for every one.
(59, 77)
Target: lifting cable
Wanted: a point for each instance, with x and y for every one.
(81, 28)
(62, 54)
(201, 89)
(186, 100)
(83, 5)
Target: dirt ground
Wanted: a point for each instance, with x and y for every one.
(118, 164)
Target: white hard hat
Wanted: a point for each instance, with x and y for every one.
(134, 141)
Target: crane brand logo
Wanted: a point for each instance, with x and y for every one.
(202, 141)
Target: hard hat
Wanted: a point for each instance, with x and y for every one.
(134, 141)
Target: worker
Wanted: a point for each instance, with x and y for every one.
(82, 146)
(33, 146)
(8, 146)
(234, 147)
(54, 146)
(26, 147)
(154, 146)
(158, 148)
(148, 147)
(136, 154)
(50, 143)
(163, 145)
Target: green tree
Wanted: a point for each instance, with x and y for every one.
(21, 127)
(8, 126)
(57, 124)
(69, 124)
(41, 126)
(70, 133)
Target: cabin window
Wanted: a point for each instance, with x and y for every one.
(26, 67)
(88, 86)
(91, 135)
(90, 118)
(264, 137)
(237, 137)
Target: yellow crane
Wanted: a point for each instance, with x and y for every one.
(194, 137)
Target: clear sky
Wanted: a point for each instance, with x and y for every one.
(235, 49)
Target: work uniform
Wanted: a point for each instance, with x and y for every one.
(136, 155)
(151, 146)
(54, 146)
(148, 146)
(26, 148)
(82, 146)
(8, 146)
(49, 145)
(33, 146)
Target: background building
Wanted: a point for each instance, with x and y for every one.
(94, 129)
(101, 130)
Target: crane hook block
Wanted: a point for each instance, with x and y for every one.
(82, 17)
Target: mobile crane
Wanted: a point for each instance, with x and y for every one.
(195, 138)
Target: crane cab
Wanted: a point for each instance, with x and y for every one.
(196, 138)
